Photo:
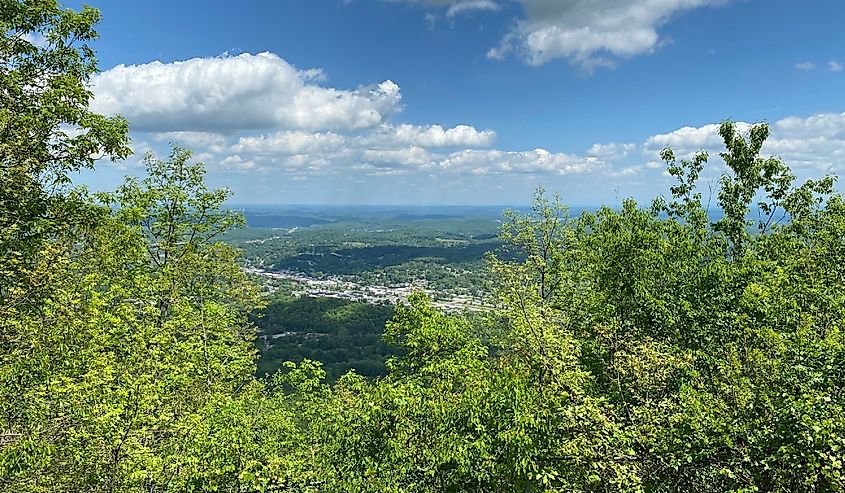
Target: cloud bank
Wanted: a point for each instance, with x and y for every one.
(259, 114)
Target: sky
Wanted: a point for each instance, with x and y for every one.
(452, 102)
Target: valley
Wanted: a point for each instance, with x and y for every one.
(331, 276)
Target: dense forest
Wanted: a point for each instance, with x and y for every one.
(647, 348)
(341, 334)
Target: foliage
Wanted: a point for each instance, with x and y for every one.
(46, 132)
(341, 334)
(138, 371)
(640, 349)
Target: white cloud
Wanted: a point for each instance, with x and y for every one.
(241, 92)
(832, 66)
(816, 142)
(831, 125)
(590, 33)
(431, 136)
(257, 113)
(290, 142)
(237, 163)
(392, 150)
(627, 171)
(686, 140)
(808, 144)
(610, 152)
(403, 157)
(536, 161)
(384, 137)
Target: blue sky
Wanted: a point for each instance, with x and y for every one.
(466, 101)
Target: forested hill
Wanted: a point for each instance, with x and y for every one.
(334, 272)
(344, 335)
(642, 348)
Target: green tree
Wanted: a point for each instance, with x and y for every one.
(702, 339)
(46, 132)
(143, 353)
(645, 349)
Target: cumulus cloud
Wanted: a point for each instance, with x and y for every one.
(401, 158)
(590, 33)
(237, 163)
(834, 66)
(235, 93)
(499, 162)
(686, 140)
(431, 136)
(816, 142)
(469, 161)
(290, 142)
(809, 144)
(402, 149)
(383, 137)
(610, 152)
(805, 66)
(824, 124)
(257, 113)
